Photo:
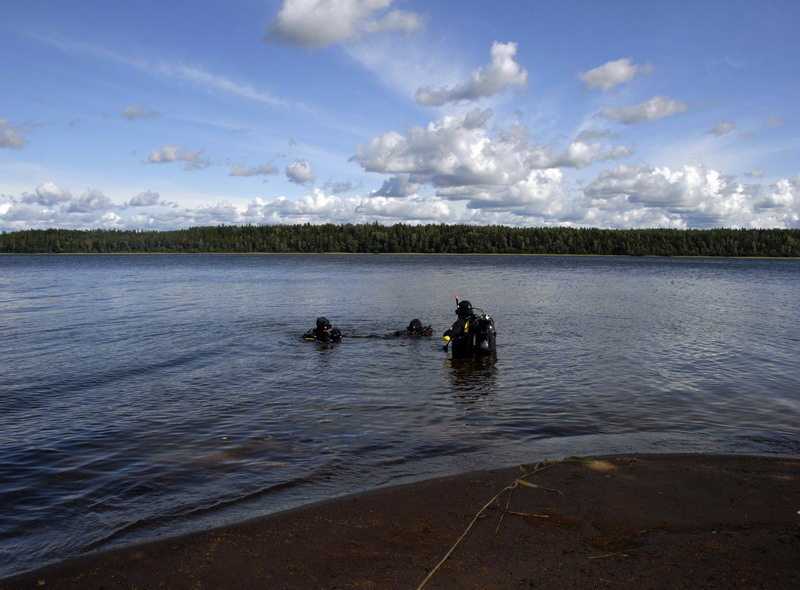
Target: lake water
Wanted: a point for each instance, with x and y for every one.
(144, 396)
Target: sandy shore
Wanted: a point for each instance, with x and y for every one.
(650, 521)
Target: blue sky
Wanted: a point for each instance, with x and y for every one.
(163, 114)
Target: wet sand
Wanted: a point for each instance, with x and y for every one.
(627, 521)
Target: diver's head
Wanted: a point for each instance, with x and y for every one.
(323, 324)
(415, 326)
(464, 308)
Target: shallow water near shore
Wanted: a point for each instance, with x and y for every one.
(148, 395)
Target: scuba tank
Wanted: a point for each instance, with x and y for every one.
(479, 337)
(485, 335)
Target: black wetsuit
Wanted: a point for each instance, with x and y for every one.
(457, 329)
(415, 328)
(472, 334)
(323, 332)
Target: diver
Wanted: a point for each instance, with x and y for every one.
(323, 332)
(415, 328)
(470, 333)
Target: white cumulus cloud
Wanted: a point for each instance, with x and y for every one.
(397, 186)
(338, 187)
(168, 154)
(696, 195)
(613, 73)
(260, 170)
(484, 82)
(137, 111)
(48, 194)
(783, 195)
(415, 210)
(145, 199)
(460, 158)
(322, 23)
(721, 128)
(627, 196)
(300, 172)
(12, 136)
(650, 110)
(541, 193)
(91, 200)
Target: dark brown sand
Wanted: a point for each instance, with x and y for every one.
(650, 521)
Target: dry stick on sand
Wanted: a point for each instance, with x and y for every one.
(519, 481)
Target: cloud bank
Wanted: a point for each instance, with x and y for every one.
(627, 196)
(460, 168)
(462, 159)
(546, 156)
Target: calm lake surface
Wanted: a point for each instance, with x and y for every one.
(149, 395)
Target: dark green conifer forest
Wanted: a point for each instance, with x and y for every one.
(428, 239)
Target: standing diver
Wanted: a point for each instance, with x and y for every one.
(470, 333)
(323, 332)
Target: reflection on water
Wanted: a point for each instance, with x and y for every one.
(147, 395)
(472, 378)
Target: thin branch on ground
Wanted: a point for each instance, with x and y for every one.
(520, 480)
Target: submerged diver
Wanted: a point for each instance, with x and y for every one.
(415, 328)
(470, 333)
(323, 332)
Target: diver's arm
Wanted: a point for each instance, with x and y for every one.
(455, 330)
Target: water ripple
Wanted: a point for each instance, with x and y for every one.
(151, 395)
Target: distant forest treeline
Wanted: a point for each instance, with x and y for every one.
(375, 238)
